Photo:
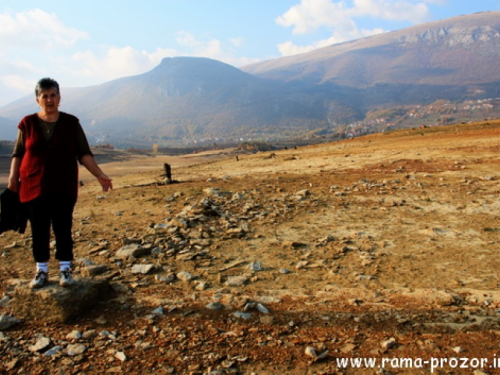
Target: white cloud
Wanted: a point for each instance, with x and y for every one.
(30, 45)
(212, 48)
(116, 62)
(312, 14)
(119, 62)
(437, 2)
(36, 29)
(340, 19)
(393, 10)
(290, 49)
(35, 44)
(236, 41)
(186, 39)
(17, 83)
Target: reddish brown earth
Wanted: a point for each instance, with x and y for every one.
(387, 237)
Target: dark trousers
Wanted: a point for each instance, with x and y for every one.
(56, 210)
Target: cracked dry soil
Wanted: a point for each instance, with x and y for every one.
(383, 247)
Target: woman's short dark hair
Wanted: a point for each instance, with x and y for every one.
(45, 84)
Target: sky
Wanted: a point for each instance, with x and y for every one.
(86, 43)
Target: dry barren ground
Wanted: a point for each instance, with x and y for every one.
(382, 248)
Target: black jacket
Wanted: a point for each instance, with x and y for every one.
(13, 214)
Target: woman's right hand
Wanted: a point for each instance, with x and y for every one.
(13, 185)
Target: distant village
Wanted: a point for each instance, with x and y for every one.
(441, 112)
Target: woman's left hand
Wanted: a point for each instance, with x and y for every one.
(105, 182)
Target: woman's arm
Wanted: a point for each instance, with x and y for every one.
(13, 183)
(89, 162)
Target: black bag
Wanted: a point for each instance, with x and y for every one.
(13, 214)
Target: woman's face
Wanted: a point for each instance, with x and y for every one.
(48, 100)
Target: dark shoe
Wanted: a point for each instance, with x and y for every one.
(65, 278)
(41, 278)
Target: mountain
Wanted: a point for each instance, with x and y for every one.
(8, 129)
(462, 50)
(198, 101)
(181, 100)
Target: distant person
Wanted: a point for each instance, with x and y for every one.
(44, 172)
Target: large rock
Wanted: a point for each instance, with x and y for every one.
(7, 321)
(132, 250)
(56, 304)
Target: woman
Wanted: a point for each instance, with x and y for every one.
(44, 171)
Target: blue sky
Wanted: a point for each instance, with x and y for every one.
(83, 43)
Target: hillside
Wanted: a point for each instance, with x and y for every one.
(8, 129)
(456, 51)
(383, 246)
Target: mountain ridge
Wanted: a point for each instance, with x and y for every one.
(466, 30)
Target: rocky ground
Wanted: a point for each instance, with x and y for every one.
(372, 255)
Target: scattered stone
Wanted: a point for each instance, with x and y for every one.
(214, 192)
(255, 267)
(142, 268)
(95, 270)
(107, 334)
(121, 356)
(185, 276)
(232, 265)
(4, 302)
(52, 351)
(293, 244)
(75, 349)
(302, 264)
(165, 279)
(12, 245)
(262, 308)
(88, 335)
(131, 250)
(348, 348)
(267, 319)
(53, 304)
(74, 335)
(160, 227)
(237, 281)
(201, 285)
(9, 366)
(158, 311)
(242, 315)
(249, 306)
(7, 321)
(365, 277)
(101, 320)
(389, 344)
(303, 193)
(41, 344)
(214, 306)
(311, 352)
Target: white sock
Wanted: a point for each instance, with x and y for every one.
(64, 265)
(43, 266)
